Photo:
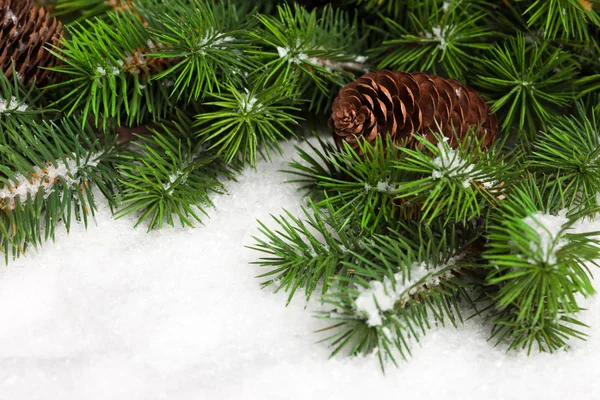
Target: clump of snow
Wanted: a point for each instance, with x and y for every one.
(282, 51)
(379, 296)
(360, 59)
(10, 15)
(450, 164)
(293, 54)
(248, 103)
(385, 187)
(101, 70)
(548, 228)
(11, 105)
(441, 34)
(170, 185)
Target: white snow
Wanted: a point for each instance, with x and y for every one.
(42, 179)
(248, 103)
(381, 296)
(441, 34)
(116, 313)
(548, 228)
(10, 16)
(11, 105)
(450, 164)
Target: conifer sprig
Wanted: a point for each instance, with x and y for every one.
(246, 123)
(171, 176)
(314, 49)
(569, 151)
(46, 180)
(537, 264)
(527, 83)
(438, 38)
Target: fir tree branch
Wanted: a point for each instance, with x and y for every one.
(171, 176)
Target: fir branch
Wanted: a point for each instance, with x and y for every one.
(527, 83)
(105, 72)
(171, 176)
(567, 19)
(205, 40)
(537, 265)
(569, 151)
(46, 179)
(438, 38)
(243, 124)
(394, 295)
(303, 254)
(312, 49)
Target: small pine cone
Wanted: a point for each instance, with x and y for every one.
(403, 105)
(26, 32)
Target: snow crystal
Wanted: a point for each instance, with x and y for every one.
(384, 186)
(283, 52)
(170, 186)
(11, 105)
(450, 164)
(440, 33)
(379, 296)
(248, 103)
(10, 15)
(548, 228)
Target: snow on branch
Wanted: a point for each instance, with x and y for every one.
(42, 179)
(381, 296)
(548, 228)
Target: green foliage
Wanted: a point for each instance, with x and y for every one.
(527, 83)
(562, 18)
(170, 176)
(569, 151)
(381, 183)
(105, 73)
(243, 123)
(204, 41)
(47, 175)
(439, 38)
(313, 49)
(537, 265)
(305, 254)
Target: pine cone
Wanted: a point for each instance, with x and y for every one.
(403, 105)
(25, 33)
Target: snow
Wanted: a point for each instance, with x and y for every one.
(117, 313)
(42, 179)
(381, 296)
(548, 228)
(450, 164)
(11, 105)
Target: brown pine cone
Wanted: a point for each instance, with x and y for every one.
(403, 105)
(25, 33)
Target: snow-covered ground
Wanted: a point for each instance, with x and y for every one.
(116, 313)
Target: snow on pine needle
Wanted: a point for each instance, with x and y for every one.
(382, 296)
(549, 229)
